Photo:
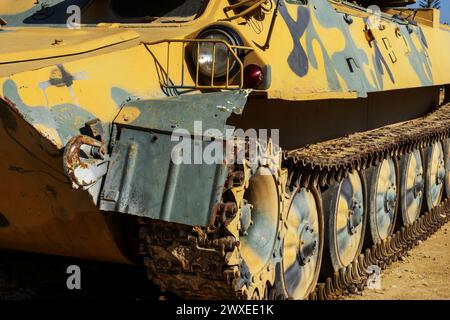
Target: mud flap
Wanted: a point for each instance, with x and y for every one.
(148, 176)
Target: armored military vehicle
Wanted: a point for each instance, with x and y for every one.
(236, 149)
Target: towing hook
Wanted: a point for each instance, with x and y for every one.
(84, 161)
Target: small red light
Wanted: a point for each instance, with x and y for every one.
(253, 76)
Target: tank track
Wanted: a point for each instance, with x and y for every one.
(204, 262)
(322, 163)
(353, 278)
(181, 260)
(196, 262)
(189, 261)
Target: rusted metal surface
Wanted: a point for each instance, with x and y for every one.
(83, 173)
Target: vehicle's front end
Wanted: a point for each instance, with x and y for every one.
(179, 133)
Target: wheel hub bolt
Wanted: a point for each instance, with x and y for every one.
(440, 173)
(418, 185)
(354, 216)
(306, 248)
(390, 200)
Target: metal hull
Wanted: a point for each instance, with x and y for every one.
(40, 211)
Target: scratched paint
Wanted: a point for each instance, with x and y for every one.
(64, 119)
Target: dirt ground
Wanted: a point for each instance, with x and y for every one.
(424, 274)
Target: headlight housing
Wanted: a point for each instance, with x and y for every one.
(203, 54)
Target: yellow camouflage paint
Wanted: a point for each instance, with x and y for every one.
(53, 80)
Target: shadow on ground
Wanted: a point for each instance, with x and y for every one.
(29, 276)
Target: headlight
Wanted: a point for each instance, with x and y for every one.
(204, 53)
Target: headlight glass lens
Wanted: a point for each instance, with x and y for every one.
(205, 54)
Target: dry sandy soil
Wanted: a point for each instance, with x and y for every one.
(424, 274)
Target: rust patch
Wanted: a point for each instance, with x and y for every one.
(71, 157)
